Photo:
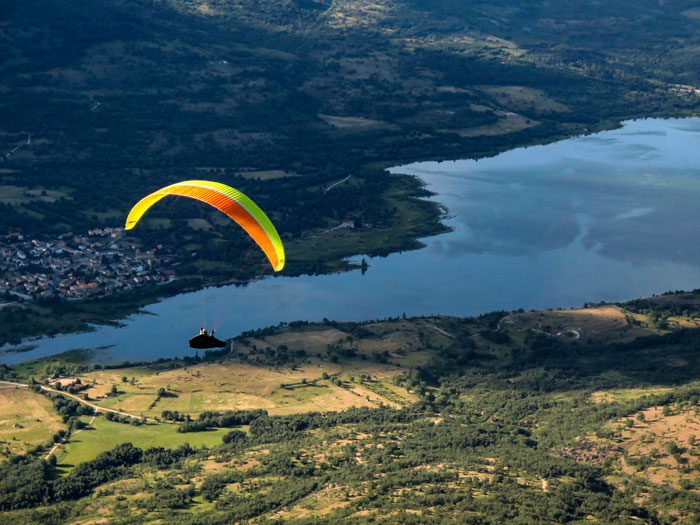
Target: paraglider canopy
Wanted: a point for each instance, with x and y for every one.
(228, 200)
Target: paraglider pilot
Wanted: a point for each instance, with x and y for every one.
(204, 340)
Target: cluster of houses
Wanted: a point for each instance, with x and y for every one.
(680, 89)
(75, 266)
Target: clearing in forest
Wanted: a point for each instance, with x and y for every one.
(26, 419)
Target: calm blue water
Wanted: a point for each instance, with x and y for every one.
(611, 216)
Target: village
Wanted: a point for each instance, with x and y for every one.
(73, 266)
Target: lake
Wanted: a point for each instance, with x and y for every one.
(604, 217)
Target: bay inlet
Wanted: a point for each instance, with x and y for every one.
(605, 217)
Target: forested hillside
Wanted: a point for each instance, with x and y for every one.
(511, 417)
(117, 98)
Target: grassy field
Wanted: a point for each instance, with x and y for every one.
(104, 435)
(523, 99)
(26, 419)
(603, 323)
(232, 385)
(17, 195)
(625, 394)
(510, 123)
(354, 123)
(241, 383)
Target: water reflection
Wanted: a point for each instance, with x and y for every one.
(639, 196)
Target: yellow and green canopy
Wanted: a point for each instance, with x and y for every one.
(228, 200)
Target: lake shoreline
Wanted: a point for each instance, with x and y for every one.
(411, 240)
(439, 214)
(638, 325)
